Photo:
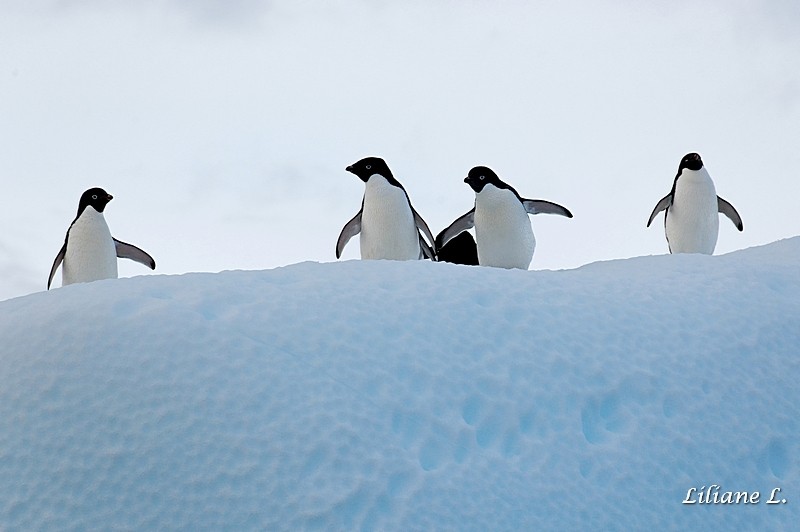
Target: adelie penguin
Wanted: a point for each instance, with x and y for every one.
(691, 222)
(461, 249)
(90, 252)
(503, 232)
(390, 228)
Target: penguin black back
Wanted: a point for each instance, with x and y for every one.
(460, 249)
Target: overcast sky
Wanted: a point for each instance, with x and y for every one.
(222, 128)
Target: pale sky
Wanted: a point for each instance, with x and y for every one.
(222, 128)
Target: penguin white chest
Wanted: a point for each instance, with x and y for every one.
(91, 254)
(692, 223)
(503, 230)
(388, 230)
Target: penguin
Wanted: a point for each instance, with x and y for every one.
(90, 252)
(461, 249)
(500, 217)
(691, 222)
(390, 227)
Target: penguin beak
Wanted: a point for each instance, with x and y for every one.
(472, 182)
(349, 169)
(110, 197)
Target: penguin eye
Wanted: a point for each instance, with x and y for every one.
(94, 196)
(369, 167)
(482, 178)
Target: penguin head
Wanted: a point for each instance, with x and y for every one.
(95, 197)
(691, 161)
(480, 176)
(368, 167)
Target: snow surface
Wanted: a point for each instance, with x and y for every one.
(407, 396)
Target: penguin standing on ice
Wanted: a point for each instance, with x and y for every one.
(691, 222)
(90, 252)
(500, 216)
(390, 227)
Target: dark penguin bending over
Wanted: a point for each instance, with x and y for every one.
(500, 216)
(691, 222)
(390, 228)
(461, 249)
(90, 252)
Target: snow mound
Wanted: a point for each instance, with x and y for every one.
(385, 395)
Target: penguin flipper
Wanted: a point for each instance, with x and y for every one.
(425, 249)
(461, 224)
(350, 229)
(728, 210)
(129, 251)
(57, 263)
(533, 206)
(662, 204)
(422, 226)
